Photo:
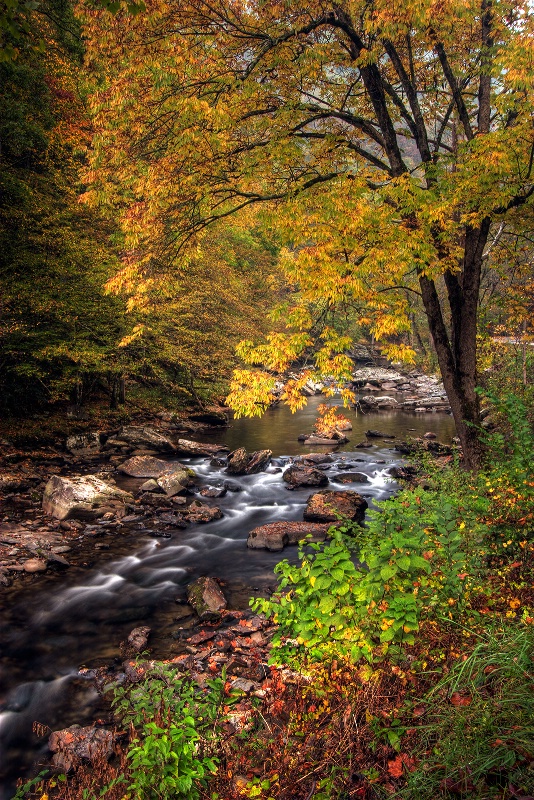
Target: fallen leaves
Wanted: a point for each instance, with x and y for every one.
(458, 700)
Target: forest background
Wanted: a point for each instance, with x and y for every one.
(174, 181)
(123, 257)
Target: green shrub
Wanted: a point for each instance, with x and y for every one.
(417, 552)
(174, 734)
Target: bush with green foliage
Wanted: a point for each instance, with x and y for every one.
(413, 556)
(422, 555)
(173, 725)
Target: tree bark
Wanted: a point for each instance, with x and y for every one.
(457, 350)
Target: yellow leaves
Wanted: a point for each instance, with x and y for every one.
(251, 393)
(136, 332)
(277, 353)
(399, 352)
(292, 393)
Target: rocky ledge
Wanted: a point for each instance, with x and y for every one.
(413, 391)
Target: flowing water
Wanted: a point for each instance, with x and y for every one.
(49, 632)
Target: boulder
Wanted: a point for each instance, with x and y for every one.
(314, 458)
(81, 497)
(297, 475)
(258, 461)
(150, 486)
(276, 535)
(237, 461)
(175, 480)
(84, 443)
(75, 744)
(206, 597)
(353, 477)
(327, 506)
(242, 463)
(232, 487)
(34, 565)
(376, 374)
(144, 436)
(379, 435)
(138, 639)
(385, 401)
(187, 447)
(334, 440)
(201, 513)
(143, 467)
(368, 400)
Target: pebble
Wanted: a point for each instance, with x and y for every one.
(34, 565)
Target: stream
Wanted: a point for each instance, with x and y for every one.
(56, 626)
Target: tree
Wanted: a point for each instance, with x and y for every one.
(59, 330)
(400, 139)
(191, 317)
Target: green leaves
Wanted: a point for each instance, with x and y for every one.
(327, 604)
(175, 730)
(414, 556)
(388, 572)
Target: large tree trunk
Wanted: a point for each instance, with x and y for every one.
(457, 349)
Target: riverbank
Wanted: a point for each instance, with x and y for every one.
(441, 705)
(32, 543)
(130, 568)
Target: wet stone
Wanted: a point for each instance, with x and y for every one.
(327, 506)
(298, 476)
(353, 477)
(207, 598)
(34, 565)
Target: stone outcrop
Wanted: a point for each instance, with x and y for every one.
(327, 506)
(81, 497)
(138, 639)
(175, 480)
(197, 512)
(298, 475)
(414, 391)
(206, 597)
(353, 477)
(76, 744)
(143, 467)
(214, 491)
(186, 447)
(242, 463)
(143, 436)
(277, 535)
(382, 401)
(310, 459)
(376, 375)
(84, 443)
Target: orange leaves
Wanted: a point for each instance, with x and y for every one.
(459, 700)
(397, 765)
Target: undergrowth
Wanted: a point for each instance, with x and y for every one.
(411, 641)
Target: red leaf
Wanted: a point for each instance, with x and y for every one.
(396, 767)
(458, 699)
